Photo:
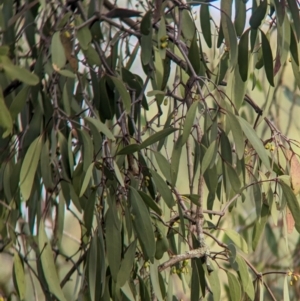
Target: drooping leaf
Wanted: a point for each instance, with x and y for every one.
(238, 240)
(292, 203)
(189, 121)
(243, 55)
(294, 9)
(268, 58)
(48, 264)
(83, 34)
(19, 276)
(142, 224)
(163, 189)
(189, 28)
(234, 287)
(205, 24)
(101, 127)
(150, 202)
(29, 167)
(57, 52)
(258, 14)
(6, 121)
(255, 141)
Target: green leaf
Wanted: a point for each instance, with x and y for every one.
(48, 264)
(260, 226)
(146, 48)
(164, 165)
(214, 280)
(101, 127)
(205, 24)
(194, 55)
(19, 102)
(237, 134)
(234, 287)
(268, 58)
(258, 15)
(154, 276)
(238, 240)
(57, 52)
(189, 121)
(16, 72)
(92, 56)
(243, 55)
(294, 47)
(294, 8)
(286, 290)
(292, 203)
(83, 34)
(233, 178)
(127, 264)
(87, 178)
(129, 149)
(46, 166)
(189, 28)
(142, 224)
(150, 202)
(163, 189)
(66, 73)
(123, 93)
(19, 276)
(113, 242)
(157, 137)
(29, 167)
(146, 23)
(229, 31)
(175, 160)
(245, 277)
(208, 156)
(240, 17)
(118, 174)
(255, 141)
(6, 121)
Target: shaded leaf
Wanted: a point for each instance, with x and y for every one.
(268, 58)
(205, 24)
(189, 28)
(259, 14)
(150, 202)
(101, 127)
(6, 121)
(189, 121)
(142, 224)
(163, 189)
(243, 55)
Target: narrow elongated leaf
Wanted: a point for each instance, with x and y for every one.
(164, 165)
(205, 24)
(292, 203)
(29, 167)
(238, 240)
(57, 52)
(18, 103)
(258, 14)
(157, 137)
(83, 34)
(175, 160)
(142, 224)
(150, 202)
(48, 264)
(240, 17)
(260, 226)
(129, 149)
(118, 174)
(189, 121)
(268, 58)
(123, 93)
(233, 178)
(234, 287)
(245, 277)
(127, 264)
(163, 189)
(86, 180)
(194, 55)
(19, 276)
(294, 8)
(255, 141)
(113, 242)
(243, 55)
(237, 133)
(208, 156)
(101, 127)
(189, 28)
(6, 121)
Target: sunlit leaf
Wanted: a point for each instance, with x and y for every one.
(237, 239)
(234, 287)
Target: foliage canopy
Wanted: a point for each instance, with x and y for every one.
(154, 127)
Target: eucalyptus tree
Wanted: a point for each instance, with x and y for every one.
(155, 126)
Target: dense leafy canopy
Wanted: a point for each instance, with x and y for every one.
(140, 123)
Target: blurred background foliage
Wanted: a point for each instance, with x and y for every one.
(149, 150)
